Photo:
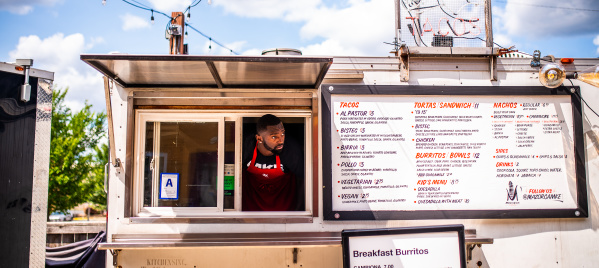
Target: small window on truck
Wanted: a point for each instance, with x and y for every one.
(192, 164)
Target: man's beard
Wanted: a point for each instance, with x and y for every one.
(273, 150)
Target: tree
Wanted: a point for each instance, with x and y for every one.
(97, 195)
(74, 139)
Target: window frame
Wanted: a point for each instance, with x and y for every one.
(142, 116)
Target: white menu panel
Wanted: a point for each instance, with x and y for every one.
(392, 153)
(440, 249)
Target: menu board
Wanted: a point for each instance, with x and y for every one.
(452, 153)
(428, 246)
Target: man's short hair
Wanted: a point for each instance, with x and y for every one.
(265, 121)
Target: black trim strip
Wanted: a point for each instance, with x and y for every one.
(298, 59)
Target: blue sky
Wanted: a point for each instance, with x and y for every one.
(55, 32)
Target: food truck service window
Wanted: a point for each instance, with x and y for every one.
(198, 164)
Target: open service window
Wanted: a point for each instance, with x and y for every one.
(202, 164)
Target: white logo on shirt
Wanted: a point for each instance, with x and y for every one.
(265, 166)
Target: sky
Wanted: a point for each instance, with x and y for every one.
(56, 32)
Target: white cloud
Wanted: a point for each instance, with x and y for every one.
(596, 42)
(329, 47)
(271, 9)
(23, 7)
(170, 5)
(132, 22)
(536, 18)
(357, 27)
(60, 54)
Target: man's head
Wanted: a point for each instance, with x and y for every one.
(270, 134)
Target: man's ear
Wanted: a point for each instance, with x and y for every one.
(259, 138)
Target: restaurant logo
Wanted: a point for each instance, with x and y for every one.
(512, 194)
(165, 262)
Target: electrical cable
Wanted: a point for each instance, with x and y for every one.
(418, 8)
(533, 5)
(479, 39)
(141, 4)
(467, 20)
(188, 9)
(144, 7)
(578, 94)
(210, 38)
(415, 26)
(193, 5)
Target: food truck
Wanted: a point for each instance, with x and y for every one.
(440, 155)
(458, 137)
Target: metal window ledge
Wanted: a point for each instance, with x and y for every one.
(245, 219)
(154, 241)
(146, 241)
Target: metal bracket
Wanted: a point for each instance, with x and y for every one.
(469, 248)
(536, 59)
(493, 67)
(115, 254)
(473, 241)
(26, 87)
(117, 163)
(295, 251)
(108, 85)
(404, 63)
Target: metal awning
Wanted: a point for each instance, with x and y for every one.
(211, 71)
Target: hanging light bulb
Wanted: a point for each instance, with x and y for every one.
(103, 2)
(589, 76)
(189, 14)
(552, 75)
(210, 2)
(152, 18)
(185, 32)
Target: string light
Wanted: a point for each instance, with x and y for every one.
(152, 18)
(103, 2)
(144, 7)
(210, 38)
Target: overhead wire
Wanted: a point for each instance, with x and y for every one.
(545, 6)
(141, 4)
(579, 96)
(144, 7)
(210, 38)
(442, 9)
